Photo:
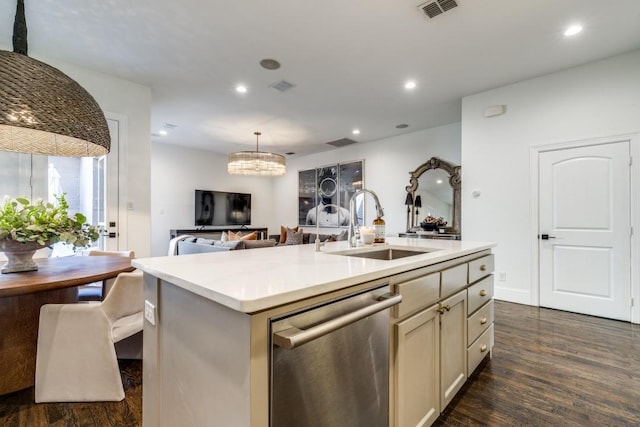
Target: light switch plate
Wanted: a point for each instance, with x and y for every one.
(150, 312)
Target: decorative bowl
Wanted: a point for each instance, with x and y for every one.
(429, 226)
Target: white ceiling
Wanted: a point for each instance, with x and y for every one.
(349, 59)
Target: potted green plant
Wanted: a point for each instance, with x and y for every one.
(26, 227)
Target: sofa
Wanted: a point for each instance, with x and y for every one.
(188, 244)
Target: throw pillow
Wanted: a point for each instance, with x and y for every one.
(224, 237)
(293, 237)
(238, 236)
(232, 245)
(283, 233)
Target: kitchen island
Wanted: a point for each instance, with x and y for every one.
(207, 337)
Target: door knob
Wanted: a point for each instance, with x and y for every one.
(546, 237)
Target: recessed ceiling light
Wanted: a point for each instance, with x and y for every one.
(241, 89)
(410, 85)
(439, 181)
(162, 132)
(270, 64)
(402, 126)
(573, 30)
(355, 131)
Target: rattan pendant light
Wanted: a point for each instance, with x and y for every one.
(256, 163)
(44, 111)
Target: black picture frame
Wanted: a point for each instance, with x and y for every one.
(329, 185)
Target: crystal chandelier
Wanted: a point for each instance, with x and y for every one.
(44, 111)
(256, 163)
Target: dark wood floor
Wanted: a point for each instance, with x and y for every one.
(18, 410)
(553, 368)
(549, 368)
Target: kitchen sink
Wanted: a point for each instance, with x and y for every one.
(386, 254)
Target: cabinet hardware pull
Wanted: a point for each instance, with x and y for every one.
(483, 320)
(444, 308)
(483, 267)
(483, 293)
(483, 348)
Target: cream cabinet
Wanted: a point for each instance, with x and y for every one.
(480, 311)
(440, 333)
(453, 346)
(417, 397)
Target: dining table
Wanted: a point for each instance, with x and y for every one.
(22, 294)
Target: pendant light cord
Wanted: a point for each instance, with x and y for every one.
(257, 134)
(20, 30)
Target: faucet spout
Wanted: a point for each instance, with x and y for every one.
(352, 210)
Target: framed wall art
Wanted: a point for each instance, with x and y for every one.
(330, 189)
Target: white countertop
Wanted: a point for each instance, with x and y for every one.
(252, 280)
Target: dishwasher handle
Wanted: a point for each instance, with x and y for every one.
(293, 337)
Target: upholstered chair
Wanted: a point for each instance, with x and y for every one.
(76, 358)
(98, 291)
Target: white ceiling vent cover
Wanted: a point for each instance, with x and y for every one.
(435, 8)
(341, 142)
(282, 85)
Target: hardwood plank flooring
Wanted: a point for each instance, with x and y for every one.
(553, 368)
(549, 368)
(19, 410)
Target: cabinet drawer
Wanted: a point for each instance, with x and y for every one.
(417, 293)
(479, 294)
(453, 279)
(478, 268)
(479, 322)
(479, 349)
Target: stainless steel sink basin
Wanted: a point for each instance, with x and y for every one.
(386, 254)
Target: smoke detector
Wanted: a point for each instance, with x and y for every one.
(437, 7)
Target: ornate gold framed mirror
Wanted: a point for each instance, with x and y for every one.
(431, 196)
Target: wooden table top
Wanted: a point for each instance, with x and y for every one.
(58, 273)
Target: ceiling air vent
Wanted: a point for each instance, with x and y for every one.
(282, 85)
(341, 142)
(435, 8)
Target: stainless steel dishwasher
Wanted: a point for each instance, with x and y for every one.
(330, 363)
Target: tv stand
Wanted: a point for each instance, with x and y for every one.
(216, 232)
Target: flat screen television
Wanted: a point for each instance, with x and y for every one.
(222, 208)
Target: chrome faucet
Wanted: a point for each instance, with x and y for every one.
(352, 237)
(328, 205)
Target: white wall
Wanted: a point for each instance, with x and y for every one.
(387, 166)
(176, 172)
(595, 100)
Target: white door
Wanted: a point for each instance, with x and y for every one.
(585, 230)
(91, 185)
(108, 166)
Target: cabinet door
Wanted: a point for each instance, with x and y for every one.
(453, 346)
(417, 394)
